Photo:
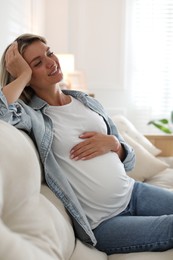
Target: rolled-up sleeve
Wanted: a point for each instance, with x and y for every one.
(14, 114)
(130, 159)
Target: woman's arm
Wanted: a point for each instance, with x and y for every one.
(19, 70)
(10, 110)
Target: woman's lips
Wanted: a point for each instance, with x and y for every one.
(54, 71)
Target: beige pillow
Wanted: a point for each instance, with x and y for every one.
(164, 179)
(125, 126)
(147, 165)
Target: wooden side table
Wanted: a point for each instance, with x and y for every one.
(164, 142)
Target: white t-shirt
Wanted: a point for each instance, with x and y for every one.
(101, 184)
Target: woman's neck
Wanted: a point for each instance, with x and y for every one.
(55, 97)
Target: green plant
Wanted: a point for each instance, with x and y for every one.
(162, 124)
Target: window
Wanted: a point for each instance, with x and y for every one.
(149, 59)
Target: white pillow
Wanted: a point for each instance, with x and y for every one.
(147, 165)
(31, 227)
(125, 126)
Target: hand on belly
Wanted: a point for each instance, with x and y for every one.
(94, 144)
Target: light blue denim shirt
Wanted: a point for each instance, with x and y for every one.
(32, 118)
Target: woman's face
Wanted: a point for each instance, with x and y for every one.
(46, 70)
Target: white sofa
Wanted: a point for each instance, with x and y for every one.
(34, 224)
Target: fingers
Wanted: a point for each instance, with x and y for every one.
(82, 151)
(84, 157)
(12, 51)
(15, 63)
(10, 56)
(87, 135)
(94, 144)
(84, 148)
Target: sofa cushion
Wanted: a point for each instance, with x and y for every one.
(163, 179)
(125, 126)
(30, 226)
(167, 255)
(147, 165)
(62, 222)
(83, 252)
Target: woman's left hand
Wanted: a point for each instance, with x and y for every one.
(94, 144)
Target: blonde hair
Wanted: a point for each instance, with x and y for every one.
(23, 41)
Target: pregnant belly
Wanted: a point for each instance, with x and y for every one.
(100, 180)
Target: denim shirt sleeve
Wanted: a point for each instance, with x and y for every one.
(129, 161)
(14, 114)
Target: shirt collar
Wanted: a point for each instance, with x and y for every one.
(37, 103)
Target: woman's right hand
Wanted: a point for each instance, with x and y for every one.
(16, 65)
(20, 72)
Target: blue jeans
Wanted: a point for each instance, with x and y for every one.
(145, 225)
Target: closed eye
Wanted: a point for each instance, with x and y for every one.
(37, 63)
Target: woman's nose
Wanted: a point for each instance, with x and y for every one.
(49, 62)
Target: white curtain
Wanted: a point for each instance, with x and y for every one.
(149, 60)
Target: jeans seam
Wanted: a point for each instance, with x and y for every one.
(127, 249)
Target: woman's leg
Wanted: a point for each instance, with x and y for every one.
(146, 224)
(150, 200)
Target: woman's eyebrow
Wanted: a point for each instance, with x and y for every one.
(38, 57)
